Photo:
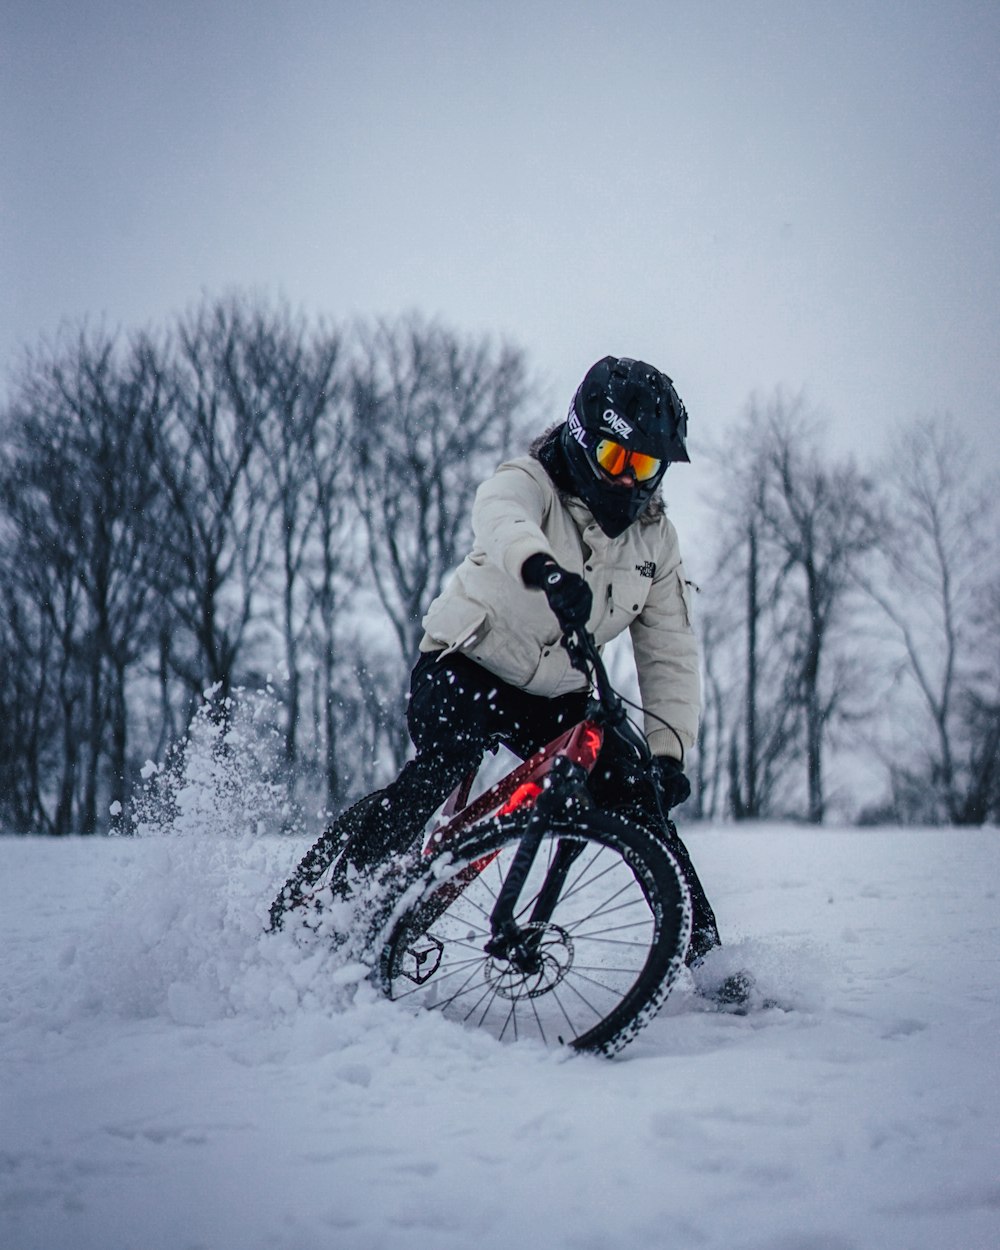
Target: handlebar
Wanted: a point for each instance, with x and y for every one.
(608, 706)
(585, 657)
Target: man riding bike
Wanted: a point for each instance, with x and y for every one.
(573, 534)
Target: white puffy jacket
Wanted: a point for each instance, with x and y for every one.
(637, 581)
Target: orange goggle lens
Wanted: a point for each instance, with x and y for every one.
(615, 459)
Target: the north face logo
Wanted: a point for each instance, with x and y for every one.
(646, 569)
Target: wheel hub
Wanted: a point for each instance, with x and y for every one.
(542, 957)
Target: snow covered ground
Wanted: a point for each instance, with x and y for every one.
(173, 1080)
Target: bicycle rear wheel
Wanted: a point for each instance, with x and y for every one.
(608, 950)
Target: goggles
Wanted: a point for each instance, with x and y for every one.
(616, 459)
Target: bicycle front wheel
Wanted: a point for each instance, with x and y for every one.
(604, 911)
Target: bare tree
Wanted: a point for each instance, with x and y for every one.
(707, 796)
(822, 517)
(28, 715)
(750, 625)
(766, 734)
(434, 414)
(210, 459)
(84, 502)
(332, 574)
(981, 700)
(47, 615)
(934, 580)
(178, 514)
(795, 525)
(293, 372)
(118, 404)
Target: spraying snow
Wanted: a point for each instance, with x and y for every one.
(176, 1078)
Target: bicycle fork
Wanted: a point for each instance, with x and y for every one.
(511, 941)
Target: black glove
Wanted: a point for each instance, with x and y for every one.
(568, 594)
(669, 777)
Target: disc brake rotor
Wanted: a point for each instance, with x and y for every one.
(554, 952)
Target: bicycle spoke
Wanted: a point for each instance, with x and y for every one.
(510, 1015)
(628, 972)
(454, 969)
(618, 928)
(604, 908)
(586, 888)
(559, 1003)
(608, 989)
(589, 1005)
(465, 988)
(618, 942)
(601, 908)
(466, 897)
(588, 951)
(538, 1021)
(578, 883)
(436, 980)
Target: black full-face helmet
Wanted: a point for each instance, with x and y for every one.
(625, 425)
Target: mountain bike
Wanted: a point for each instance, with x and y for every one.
(527, 911)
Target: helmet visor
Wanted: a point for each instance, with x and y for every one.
(616, 460)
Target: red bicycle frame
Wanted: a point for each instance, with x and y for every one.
(521, 786)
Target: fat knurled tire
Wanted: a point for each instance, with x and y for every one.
(608, 955)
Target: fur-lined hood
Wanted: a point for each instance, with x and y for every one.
(656, 508)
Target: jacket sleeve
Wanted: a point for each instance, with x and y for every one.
(507, 519)
(666, 657)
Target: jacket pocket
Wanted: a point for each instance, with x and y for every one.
(458, 624)
(512, 654)
(628, 592)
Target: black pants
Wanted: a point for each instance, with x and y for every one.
(456, 712)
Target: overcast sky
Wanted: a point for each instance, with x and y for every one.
(744, 193)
